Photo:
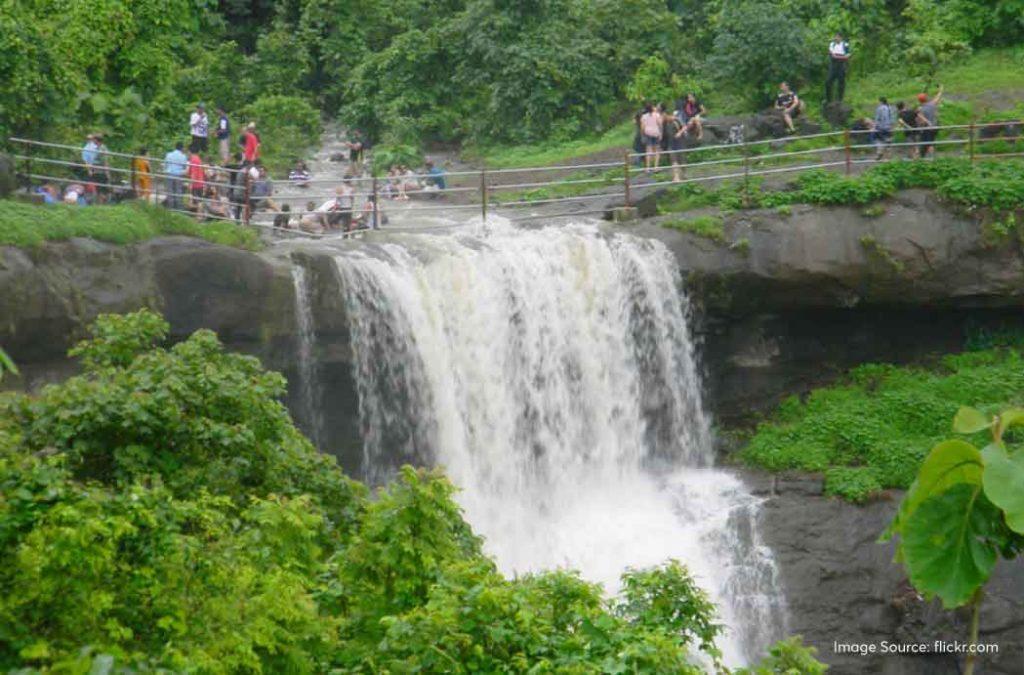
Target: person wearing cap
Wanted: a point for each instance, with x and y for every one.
(838, 57)
(251, 143)
(928, 116)
(199, 125)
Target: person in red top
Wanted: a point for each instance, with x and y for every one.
(252, 143)
(197, 178)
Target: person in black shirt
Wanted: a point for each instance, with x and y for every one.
(788, 103)
(692, 114)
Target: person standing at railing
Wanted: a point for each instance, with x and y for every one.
(142, 175)
(223, 135)
(90, 153)
(929, 112)
(907, 120)
(882, 133)
(104, 186)
(199, 125)
(196, 180)
(838, 58)
(650, 127)
(175, 164)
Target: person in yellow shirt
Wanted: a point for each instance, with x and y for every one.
(142, 175)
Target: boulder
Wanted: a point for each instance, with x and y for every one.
(837, 114)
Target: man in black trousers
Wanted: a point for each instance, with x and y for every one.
(838, 57)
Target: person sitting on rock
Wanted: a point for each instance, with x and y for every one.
(299, 175)
(788, 103)
(691, 115)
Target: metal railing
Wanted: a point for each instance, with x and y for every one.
(228, 192)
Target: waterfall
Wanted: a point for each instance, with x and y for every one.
(552, 374)
(308, 372)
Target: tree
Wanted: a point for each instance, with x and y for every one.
(760, 44)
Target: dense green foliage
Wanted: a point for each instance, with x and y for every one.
(412, 70)
(873, 430)
(160, 511)
(29, 225)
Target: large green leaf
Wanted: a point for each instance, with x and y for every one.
(946, 544)
(970, 421)
(1004, 483)
(949, 463)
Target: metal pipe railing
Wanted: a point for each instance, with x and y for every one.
(753, 164)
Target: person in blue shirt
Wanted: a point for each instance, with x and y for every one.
(175, 165)
(435, 176)
(90, 153)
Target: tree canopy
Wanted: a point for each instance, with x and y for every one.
(409, 71)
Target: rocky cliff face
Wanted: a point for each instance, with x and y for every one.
(792, 300)
(841, 586)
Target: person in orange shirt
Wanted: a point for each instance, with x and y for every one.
(197, 179)
(142, 175)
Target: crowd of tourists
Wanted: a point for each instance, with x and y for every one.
(666, 131)
(210, 179)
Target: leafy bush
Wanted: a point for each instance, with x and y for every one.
(873, 431)
(160, 512)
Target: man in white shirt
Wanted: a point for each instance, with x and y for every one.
(199, 125)
(838, 57)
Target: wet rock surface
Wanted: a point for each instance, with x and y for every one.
(842, 587)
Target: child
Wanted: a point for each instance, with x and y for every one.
(281, 220)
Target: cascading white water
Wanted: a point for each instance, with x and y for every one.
(551, 372)
(309, 381)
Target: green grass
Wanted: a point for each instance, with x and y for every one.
(709, 227)
(966, 83)
(543, 154)
(29, 225)
(872, 431)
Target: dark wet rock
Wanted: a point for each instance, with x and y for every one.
(837, 114)
(842, 586)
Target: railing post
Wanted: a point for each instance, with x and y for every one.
(28, 167)
(483, 193)
(744, 148)
(970, 141)
(625, 166)
(376, 203)
(846, 148)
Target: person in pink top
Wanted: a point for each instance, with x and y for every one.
(252, 143)
(197, 179)
(650, 127)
